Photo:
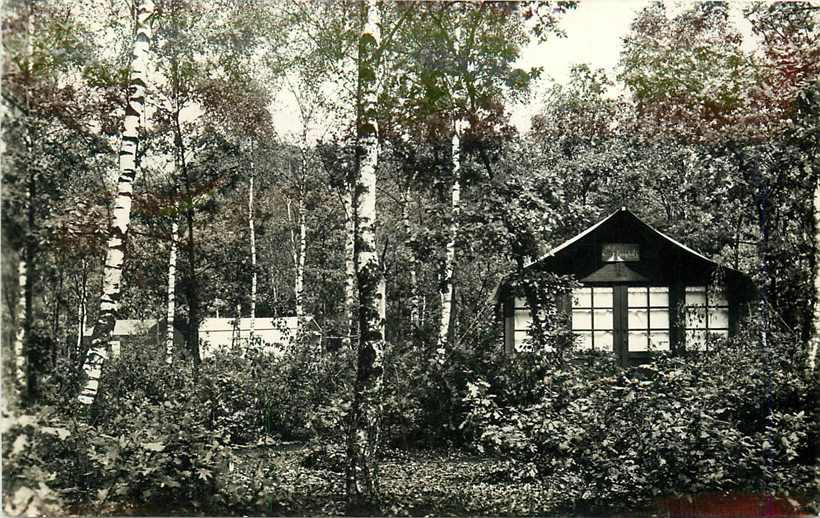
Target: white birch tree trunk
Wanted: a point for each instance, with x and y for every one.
(446, 290)
(300, 277)
(814, 343)
(20, 338)
(121, 216)
(361, 476)
(350, 266)
(172, 282)
(413, 298)
(251, 228)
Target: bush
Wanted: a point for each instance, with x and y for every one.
(156, 455)
(424, 401)
(737, 418)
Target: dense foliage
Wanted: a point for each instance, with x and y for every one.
(703, 423)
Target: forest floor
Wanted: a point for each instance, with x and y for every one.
(298, 479)
(302, 480)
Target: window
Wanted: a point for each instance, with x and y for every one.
(592, 318)
(647, 318)
(707, 313)
(115, 348)
(522, 321)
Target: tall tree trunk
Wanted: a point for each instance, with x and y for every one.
(121, 216)
(446, 289)
(361, 477)
(82, 310)
(192, 287)
(172, 281)
(32, 348)
(57, 314)
(20, 339)
(24, 344)
(298, 254)
(382, 294)
(300, 281)
(236, 333)
(350, 268)
(413, 297)
(814, 341)
(253, 249)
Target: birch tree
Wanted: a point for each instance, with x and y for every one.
(170, 314)
(46, 127)
(461, 72)
(121, 213)
(252, 234)
(350, 267)
(361, 476)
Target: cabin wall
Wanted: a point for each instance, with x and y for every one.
(624, 255)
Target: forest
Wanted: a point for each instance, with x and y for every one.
(148, 175)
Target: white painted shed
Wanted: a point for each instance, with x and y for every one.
(274, 333)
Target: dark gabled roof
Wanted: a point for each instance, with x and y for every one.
(564, 258)
(623, 211)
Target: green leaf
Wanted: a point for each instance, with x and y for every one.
(62, 433)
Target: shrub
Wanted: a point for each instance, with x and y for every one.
(737, 418)
(424, 399)
(154, 455)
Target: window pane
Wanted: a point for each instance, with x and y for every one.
(581, 319)
(637, 340)
(659, 318)
(521, 302)
(523, 319)
(637, 319)
(695, 295)
(717, 297)
(583, 341)
(603, 340)
(522, 341)
(602, 297)
(659, 340)
(721, 333)
(582, 298)
(696, 318)
(718, 318)
(636, 297)
(659, 297)
(695, 340)
(603, 319)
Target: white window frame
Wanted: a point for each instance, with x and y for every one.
(592, 308)
(710, 293)
(649, 329)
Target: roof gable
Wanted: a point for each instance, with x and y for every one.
(621, 214)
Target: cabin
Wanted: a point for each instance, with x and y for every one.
(217, 334)
(639, 291)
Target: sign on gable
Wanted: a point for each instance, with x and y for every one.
(620, 252)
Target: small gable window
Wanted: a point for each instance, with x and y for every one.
(707, 313)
